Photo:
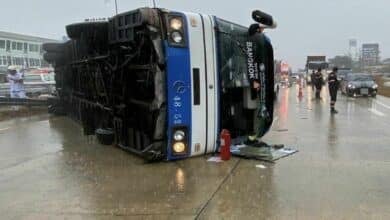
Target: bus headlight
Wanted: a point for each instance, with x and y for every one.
(176, 37)
(176, 24)
(179, 135)
(375, 86)
(176, 30)
(179, 148)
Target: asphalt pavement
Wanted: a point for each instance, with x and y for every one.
(49, 170)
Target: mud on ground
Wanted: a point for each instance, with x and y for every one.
(9, 112)
(382, 90)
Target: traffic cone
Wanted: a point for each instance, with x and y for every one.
(300, 91)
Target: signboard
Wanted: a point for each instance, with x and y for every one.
(370, 54)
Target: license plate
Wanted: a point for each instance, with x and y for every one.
(364, 91)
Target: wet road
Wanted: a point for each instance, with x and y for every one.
(48, 170)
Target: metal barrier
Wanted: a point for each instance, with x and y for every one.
(24, 102)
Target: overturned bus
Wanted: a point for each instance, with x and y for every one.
(163, 84)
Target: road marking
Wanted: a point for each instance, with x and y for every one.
(4, 129)
(382, 104)
(376, 112)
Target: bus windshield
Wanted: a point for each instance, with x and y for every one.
(231, 40)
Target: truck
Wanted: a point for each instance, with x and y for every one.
(313, 63)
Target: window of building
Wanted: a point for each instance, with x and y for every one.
(25, 47)
(8, 45)
(9, 60)
(2, 44)
(34, 62)
(13, 45)
(33, 48)
(19, 46)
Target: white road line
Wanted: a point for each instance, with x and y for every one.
(382, 104)
(4, 129)
(376, 112)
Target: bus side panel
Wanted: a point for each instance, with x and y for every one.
(199, 84)
(179, 96)
(212, 90)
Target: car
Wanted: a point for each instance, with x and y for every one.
(343, 72)
(359, 84)
(34, 84)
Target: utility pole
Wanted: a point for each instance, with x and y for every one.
(116, 6)
(154, 3)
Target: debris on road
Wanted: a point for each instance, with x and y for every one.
(261, 166)
(215, 159)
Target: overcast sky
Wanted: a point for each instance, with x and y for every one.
(306, 27)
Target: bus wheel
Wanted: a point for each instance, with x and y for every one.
(105, 136)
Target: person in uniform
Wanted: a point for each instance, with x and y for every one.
(333, 85)
(312, 79)
(15, 80)
(318, 83)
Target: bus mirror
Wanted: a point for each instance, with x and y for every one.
(264, 19)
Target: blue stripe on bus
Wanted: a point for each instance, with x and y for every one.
(178, 95)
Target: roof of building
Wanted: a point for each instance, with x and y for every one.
(23, 37)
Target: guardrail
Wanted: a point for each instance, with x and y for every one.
(24, 102)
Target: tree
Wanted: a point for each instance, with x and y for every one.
(341, 61)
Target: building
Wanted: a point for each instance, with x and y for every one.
(21, 50)
(370, 55)
(353, 50)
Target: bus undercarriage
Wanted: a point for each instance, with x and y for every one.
(110, 77)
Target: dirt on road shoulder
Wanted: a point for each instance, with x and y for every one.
(10, 112)
(382, 89)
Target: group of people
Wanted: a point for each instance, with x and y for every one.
(15, 79)
(318, 82)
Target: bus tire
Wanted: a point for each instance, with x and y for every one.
(53, 47)
(105, 136)
(74, 30)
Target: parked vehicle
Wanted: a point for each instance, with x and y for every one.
(359, 84)
(34, 84)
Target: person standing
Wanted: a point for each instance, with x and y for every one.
(318, 83)
(312, 79)
(333, 85)
(15, 80)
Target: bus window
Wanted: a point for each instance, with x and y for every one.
(232, 57)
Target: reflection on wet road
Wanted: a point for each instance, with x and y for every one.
(49, 170)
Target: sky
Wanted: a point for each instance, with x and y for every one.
(305, 27)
